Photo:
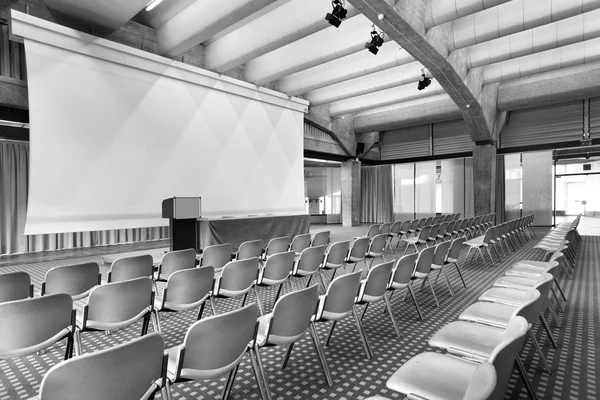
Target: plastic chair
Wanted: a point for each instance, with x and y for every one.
(287, 324)
(31, 325)
(334, 259)
(114, 306)
(15, 286)
(338, 302)
(175, 261)
(75, 280)
(216, 256)
(415, 241)
(433, 235)
(123, 269)
(299, 243)
(249, 249)
(358, 251)
(376, 248)
(373, 230)
(413, 227)
(394, 233)
(438, 263)
(134, 370)
(213, 347)
(385, 228)
(309, 263)
(274, 272)
(236, 279)
(423, 269)
(186, 290)
(402, 278)
(321, 239)
(276, 245)
(454, 254)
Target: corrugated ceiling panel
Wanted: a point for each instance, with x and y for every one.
(405, 143)
(312, 132)
(451, 137)
(595, 117)
(552, 124)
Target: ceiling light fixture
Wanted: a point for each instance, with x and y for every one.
(338, 14)
(424, 80)
(376, 41)
(153, 4)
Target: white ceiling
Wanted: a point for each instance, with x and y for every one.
(288, 45)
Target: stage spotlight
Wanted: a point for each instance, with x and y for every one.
(424, 81)
(376, 41)
(338, 14)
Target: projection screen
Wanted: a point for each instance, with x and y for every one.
(115, 130)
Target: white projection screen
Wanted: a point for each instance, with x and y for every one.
(115, 130)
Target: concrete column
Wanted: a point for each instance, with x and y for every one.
(351, 193)
(484, 178)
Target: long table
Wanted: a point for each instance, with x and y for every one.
(240, 229)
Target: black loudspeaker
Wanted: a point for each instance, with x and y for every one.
(360, 148)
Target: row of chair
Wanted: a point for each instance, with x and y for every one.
(394, 227)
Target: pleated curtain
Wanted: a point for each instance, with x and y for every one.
(377, 194)
(500, 190)
(14, 173)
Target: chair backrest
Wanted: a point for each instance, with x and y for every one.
(396, 227)
(321, 238)
(213, 346)
(424, 261)
(450, 226)
(435, 220)
(441, 252)
(429, 221)
(405, 226)
(74, 280)
(434, 231)
(385, 227)
(310, 259)
(359, 248)
(292, 314)
(188, 287)
(376, 283)
(239, 274)
(216, 256)
(340, 295)
(118, 302)
(421, 223)
(336, 254)
(249, 249)
(373, 230)
(277, 245)
(279, 266)
(29, 323)
(455, 249)
(177, 260)
(15, 286)
(126, 268)
(404, 269)
(442, 228)
(124, 372)
(414, 224)
(377, 245)
(482, 383)
(300, 242)
(543, 285)
(503, 355)
(424, 233)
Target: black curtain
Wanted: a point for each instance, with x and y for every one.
(500, 189)
(377, 194)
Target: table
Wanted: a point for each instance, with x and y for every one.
(240, 229)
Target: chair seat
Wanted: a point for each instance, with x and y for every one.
(516, 282)
(433, 376)
(536, 264)
(468, 337)
(411, 240)
(477, 242)
(504, 295)
(191, 373)
(527, 272)
(496, 314)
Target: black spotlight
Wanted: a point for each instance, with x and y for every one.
(338, 14)
(424, 81)
(376, 41)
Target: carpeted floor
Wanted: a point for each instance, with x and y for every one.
(573, 363)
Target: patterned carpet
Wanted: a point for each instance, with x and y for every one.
(573, 363)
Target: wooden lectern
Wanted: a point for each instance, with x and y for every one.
(183, 212)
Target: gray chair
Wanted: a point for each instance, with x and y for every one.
(249, 249)
(402, 278)
(123, 269)
(75, 280)
(115, 306)
(276, 245)
(134, 370)
(433, 235)
(15, 286)
(415, 241)
(358, 251)
(334, 258)
(321, 239)
(373, 230)
(309, 263)
(376, 248)
(439, 261)
(175, 261)
(236, 279)
(32, 325)
(187, 289)
(454, 254)
(274, 272)
(216, 256)
(299, 243)
(423, 270)
(287, 324)
(213, 347)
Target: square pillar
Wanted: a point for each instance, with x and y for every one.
(484, 178)
(351, 193)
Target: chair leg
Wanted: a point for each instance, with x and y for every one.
(245, 297)
(156, 322)
(168, 395)
(78, 346)
(433, 292)
(330, 333)
(145, 323)
(259, 374)
(212, 306)
(548, 331)
(560, 289)
(447, 281)
(556, 321)
(539, 351)
(412, 293)
(362, 334)
(364, 311)
(260, 308)
(309, 280)
(322, 281)
(278, 293)
(288, 353)
(229, 383)
(319, 350)
(460, 274)
(389, 308)
(69, 346)
(524, 378)
(558, 301)
(200, 312)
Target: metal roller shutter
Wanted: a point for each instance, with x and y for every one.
(405, 143)
(595, 117)
(451, 137)
(551, 124)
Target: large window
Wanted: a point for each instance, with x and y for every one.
(323, 190)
